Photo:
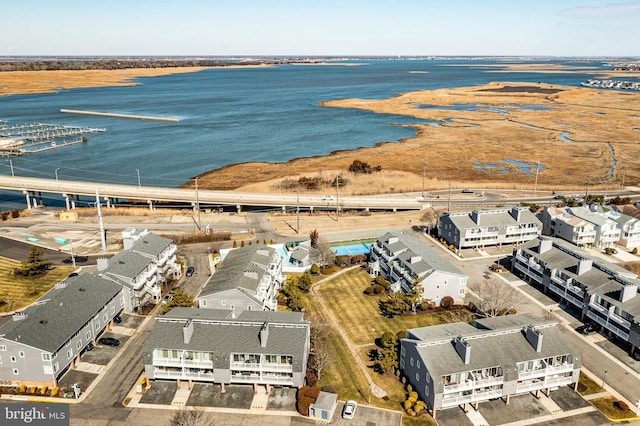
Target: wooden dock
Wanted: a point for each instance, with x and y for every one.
(116, 115)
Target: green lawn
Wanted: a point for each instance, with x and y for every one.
(608, 406)
(359, 316)
(16, 293)
(586, 386)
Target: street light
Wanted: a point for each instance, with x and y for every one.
(56, 172)
(604, 379)
(138, 171)
(535, 185)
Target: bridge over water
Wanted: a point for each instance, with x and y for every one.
(33, 188)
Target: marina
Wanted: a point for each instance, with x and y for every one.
(116, 115)
(37, 137)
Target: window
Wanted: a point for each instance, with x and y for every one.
(426, 390)
(418, 364)
(104, 317)
(417, 377)
(428, 377)
(97, 326)
(79, 344)
(21, 354)
(113, 310)
(3, 347)
(46, 356)
(248, 307)
(15, 371)
(47, 369)
(88, 335)
(13, 359)
(232, 307)
(461, 292)
(203, 303)
(70, 353)
(402, 350)
(411, 361)
(402, 363)
(224, 302)
(56, 367)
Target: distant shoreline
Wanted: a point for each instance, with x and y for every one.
(51, 81)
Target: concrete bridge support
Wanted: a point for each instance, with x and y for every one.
(150, 204)
(28, 197)
(66, 200)
(239, 208)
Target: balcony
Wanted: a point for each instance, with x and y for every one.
(242, 378)
(181, 362)
(256, 366)
(458, 387)
(452, 401)
(185, 374)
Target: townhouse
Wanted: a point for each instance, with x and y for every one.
(404, 260)
(480, 228)
(247, 279)
(146, 262)
(559, 222)
(216, 346)
(629, 227)
(46, 339)
(601, 291)
(457, 364)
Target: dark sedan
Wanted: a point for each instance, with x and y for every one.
(109, 341)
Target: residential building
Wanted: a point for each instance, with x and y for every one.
(601, 291)
(214, 345)
(147, 262)
(46, 339)
(457, 364)
(629, 227)
(404, 260)
(480, 228)
(607, 230)
(247, 279)
(559, 222)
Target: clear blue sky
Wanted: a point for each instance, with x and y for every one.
(320, 27)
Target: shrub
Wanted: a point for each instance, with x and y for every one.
(358, 258)
(407, 405)
(419, 406)
(400, 334)
(315, 269)
(381, 281)
(235, 244)
(378, 289)
(413, 396)
(5, 215)
(328, 270)
(343, 261)
(15, 213)
(328, 389)
(447, 302)
(368, 291)
(621, 405)
(635, 250)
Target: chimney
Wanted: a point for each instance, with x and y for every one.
(264, 335)
(103, 263)
(415, 259)
(545, 245)
(251, 274)
(534, 337)
(187, 331)
(475, 217)
(19, 316)
(628, 292)
(463, 349)
(584, 264)
(516, 213)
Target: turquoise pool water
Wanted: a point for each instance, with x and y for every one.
(351, 249)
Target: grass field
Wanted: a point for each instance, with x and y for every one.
(16, 293)
(359, 314)
(607, 406)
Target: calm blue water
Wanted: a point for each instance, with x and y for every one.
(230, 116)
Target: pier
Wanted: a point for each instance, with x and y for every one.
(37, 137)
(116, 115)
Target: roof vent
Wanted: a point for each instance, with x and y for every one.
(82, 289)
(43, 322)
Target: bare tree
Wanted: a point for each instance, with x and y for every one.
(191, 416)
(494, 297)
(321, 357)
(322, 253)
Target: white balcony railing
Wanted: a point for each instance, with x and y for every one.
(179, 362)
(256, 366)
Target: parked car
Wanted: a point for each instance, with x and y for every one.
(636, 355)
(327, 198)
(109, 341)
(349, 409)
(166, 299)
(586, 329)
(190, 271)
(467, 191)
(117, 319)
(73, 274)
(89, 347)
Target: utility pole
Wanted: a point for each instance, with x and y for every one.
(535, 185)
(197, 203)
(337, 197)
(424, 172)
(103, 239)
(11, 165)
(298, 213)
